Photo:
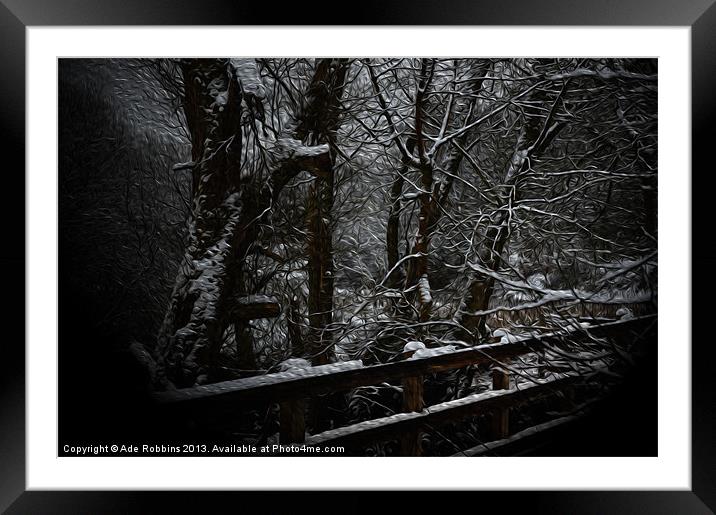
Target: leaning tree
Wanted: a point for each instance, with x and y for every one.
(240, 164)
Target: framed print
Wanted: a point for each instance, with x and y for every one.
(262, 252)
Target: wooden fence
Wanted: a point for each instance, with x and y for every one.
(290, 390)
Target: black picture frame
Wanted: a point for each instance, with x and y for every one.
(16, 15)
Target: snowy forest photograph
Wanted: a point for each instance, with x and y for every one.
(394, 256)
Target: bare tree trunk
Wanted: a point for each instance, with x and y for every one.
(481, 287)
(433, 197)
(190, 335)
(418, 266)
(201, 305)
(320, 269)
(534, 137)
(392, 230)
(294, 321)
(319, 121)
(227, 211)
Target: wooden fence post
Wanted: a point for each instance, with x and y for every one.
(412, 401)
(292, 420)
(500, 417)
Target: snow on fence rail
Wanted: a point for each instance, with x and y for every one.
(405, 423)
(521, 440)
(306, 382)
(292, 387)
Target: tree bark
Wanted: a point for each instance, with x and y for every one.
(318, 124)
(534, 137)
(227, 211)
(295, 334)
(392, 230)
(191, 330)
(418, 266)
(434, 195)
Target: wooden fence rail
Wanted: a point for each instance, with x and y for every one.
(479, 403)
(290, 389)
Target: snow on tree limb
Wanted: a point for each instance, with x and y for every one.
(288, 156)
(424, 291)
(601, 74)
(627, 267)
(247, 73)
(251, 307)
(548, 295)
(289, 148)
